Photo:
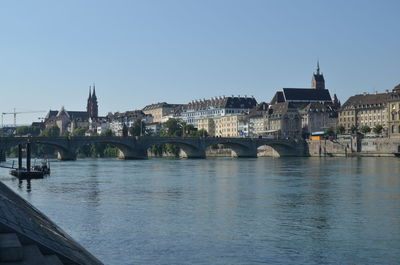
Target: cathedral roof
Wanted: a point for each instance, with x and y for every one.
(307, 94)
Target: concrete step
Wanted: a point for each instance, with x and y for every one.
(52, 260)
(10, 247)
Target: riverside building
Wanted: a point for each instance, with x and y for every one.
(301, 111)
(365, 110)
(394, 112)
(161, 110)
(226, 126)
(216, 107)
(68, 121)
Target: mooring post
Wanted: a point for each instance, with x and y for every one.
(28, 157)
(19, 156)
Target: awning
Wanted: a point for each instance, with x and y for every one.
(271, 131)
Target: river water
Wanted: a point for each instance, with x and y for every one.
(226, 211)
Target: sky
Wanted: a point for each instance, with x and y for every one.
(143, 52)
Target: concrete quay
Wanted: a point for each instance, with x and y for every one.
(378, 147)
(28, 237)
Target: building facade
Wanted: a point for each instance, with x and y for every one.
(394, 112)
(317, 117)
(68, 121)
(226, 126)
(120, 120)
(365, 110)
(284, 120)
(161, 112)
(216, 107)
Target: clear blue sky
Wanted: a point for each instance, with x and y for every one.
(142, 52)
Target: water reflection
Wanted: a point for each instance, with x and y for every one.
(28, 185)
(227, 211)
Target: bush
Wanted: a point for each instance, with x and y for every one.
(365, 129)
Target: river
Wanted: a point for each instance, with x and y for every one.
(226, 211)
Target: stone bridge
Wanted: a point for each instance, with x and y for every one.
(136, 147)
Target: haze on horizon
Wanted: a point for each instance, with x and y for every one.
(143, 52)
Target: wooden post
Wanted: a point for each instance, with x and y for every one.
(19, 156)
(28, 157)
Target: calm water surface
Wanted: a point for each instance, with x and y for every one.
(226, 211)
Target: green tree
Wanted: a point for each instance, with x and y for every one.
(138, 128)
(79, 132)
(173, 127)
(378, 129)
(52, 131)
(353, 129)
(330, 131)
(107, 132)
(365, 129)
(27, 130)
(340, 129)
(124, 130)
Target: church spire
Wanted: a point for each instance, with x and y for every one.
(318, 67)
(94, 91)
(90, 92)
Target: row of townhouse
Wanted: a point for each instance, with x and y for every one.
(373, 110)
(292, 112)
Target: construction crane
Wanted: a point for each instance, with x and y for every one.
(15, 115)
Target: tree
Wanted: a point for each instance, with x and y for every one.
(173, 127)
(138, 128)
(124, 130)
(202, 133)
(108, 133)
(329, 131)
(27, 130)
(52, 131)
(79, 132)
(365, 129)
(353, 129)
(378, 129)
(340, 129)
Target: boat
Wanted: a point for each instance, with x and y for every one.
(22, 173)
(44, 167)
(29, 172)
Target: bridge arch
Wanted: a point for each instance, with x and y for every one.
(279, 148)
(126, 150)
(188, 147)
(239, 149)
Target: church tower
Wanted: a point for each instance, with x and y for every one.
(318, 81)
(92, 107)
(89, 101)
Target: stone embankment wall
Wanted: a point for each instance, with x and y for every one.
(355, 147)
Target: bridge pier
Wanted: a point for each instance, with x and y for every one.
(64, 155)
(132, 154)
(192, 153)
(243, 153)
